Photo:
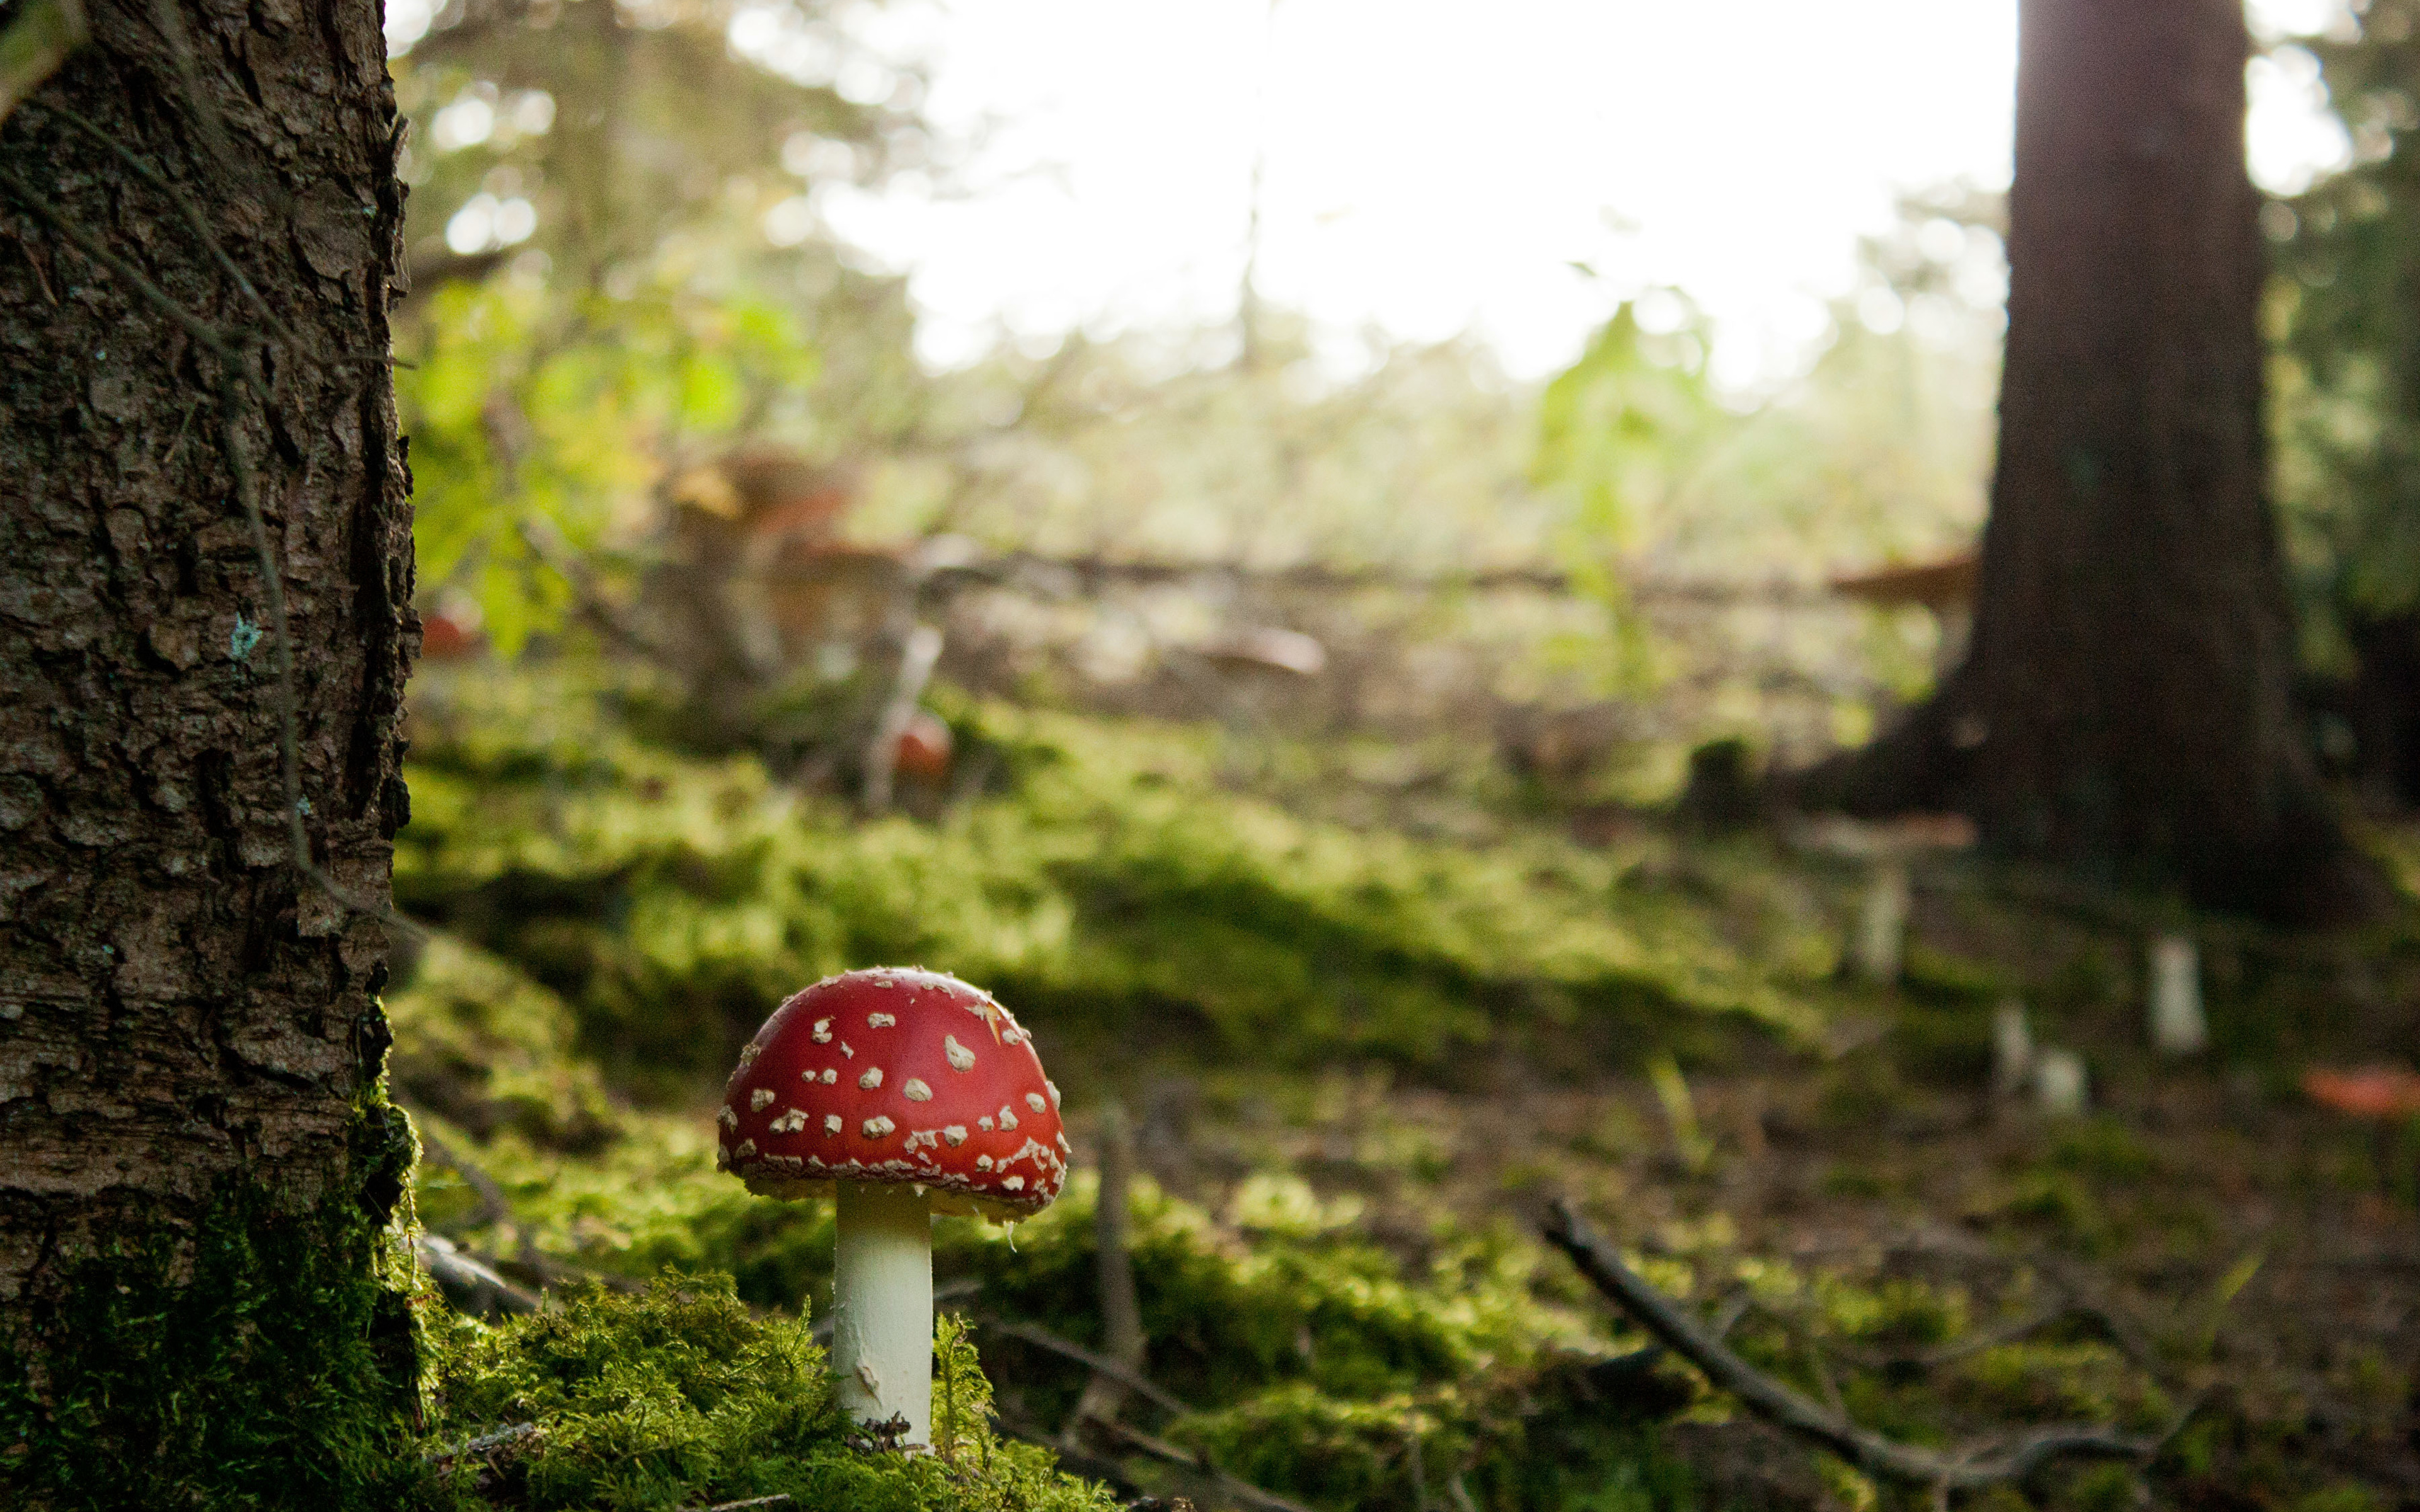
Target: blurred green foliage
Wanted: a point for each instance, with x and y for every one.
(598, 299)
(2345, 373)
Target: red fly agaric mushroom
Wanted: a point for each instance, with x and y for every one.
(902, 1093)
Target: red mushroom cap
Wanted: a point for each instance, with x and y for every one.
(900, 1076)
(924, 747)
(2365, 1091)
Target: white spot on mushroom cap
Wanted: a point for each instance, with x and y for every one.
(985, 1124)
(878, 1127)
(847, 1051)
(961, 1059)
(880, 1021)
(983, 1163)
(872, 1079)
(726, 1118)
(823, 1031)
(1007, 1118)
(915, 1091)
(747, 1147)
(748, 1053)
(1033, 1100)
(1053, 1088)
(1015, 1183)
(955, 1134)
(759, 1100)
(791, 1121)
(831, 1123)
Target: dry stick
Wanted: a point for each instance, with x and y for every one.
(1142, 1385)
(1241, 1491)
(1135, 1380)
(1121, 1314)
(494, 1207)
(1864, 1449)
(511, 1433)
(1971, 1346)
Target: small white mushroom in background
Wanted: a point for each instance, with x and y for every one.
(2061, 1088)
(1881, 922)
(1890, 848)
(2178, 1026)
(2012, 1049)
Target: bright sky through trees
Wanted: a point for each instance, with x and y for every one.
(1431, 167)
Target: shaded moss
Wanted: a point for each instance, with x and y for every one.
(261, 1359)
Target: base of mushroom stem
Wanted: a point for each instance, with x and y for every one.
(882, 1307)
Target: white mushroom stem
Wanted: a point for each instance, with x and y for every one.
(2177, 1025)
(882, 1307)
(1882, 928)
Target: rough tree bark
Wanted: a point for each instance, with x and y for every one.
(191, 1040)
(2126, 712)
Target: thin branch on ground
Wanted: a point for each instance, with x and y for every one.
(494, 1207)
(1121, 1334)
(1965, 1469)
(1124, 1374)
(1967, 1348)
(1229, 1486)
(509, 1434)
(1149, 1445)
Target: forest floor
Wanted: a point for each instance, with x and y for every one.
(1338, 1243)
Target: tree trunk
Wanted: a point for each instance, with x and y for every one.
(2126, 710)
(197, 1158)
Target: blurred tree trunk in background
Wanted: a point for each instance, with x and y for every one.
(2126, 710)
(196, 1159)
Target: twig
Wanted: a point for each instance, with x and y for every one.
(776, 1499)
(1420, 1501)
(1974, 1343)
(1043, 1338)
(1166, 1452)
(510, 1433)
(1121, 1314)
(1963, 1470)
(494, 1207)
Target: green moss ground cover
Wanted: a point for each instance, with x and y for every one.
(1113, 891)
(1342, 1289)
